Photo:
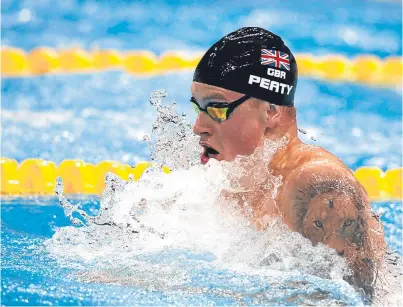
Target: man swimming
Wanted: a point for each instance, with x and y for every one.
(243, 91)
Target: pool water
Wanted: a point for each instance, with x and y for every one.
(105, 116)
(31, 275)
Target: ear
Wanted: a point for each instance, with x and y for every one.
(274, 115)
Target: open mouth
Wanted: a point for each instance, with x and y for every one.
(207, 154)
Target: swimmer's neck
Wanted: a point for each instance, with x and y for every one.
(281, 159)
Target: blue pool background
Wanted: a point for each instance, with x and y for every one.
(110, 110)
(105, 115)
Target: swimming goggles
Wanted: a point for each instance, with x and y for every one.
(218, 111)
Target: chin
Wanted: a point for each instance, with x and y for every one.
(220, 157)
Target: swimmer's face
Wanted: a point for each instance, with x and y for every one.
(333, 221)
(238, 135)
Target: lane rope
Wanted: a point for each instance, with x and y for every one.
(366, 69)
(38, 177)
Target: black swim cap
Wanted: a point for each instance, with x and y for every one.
(252, 61)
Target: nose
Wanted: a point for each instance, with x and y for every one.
(203, 124)
(334, 241)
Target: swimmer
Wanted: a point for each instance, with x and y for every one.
(243, 91)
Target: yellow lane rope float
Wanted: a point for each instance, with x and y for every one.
(367, 69)
(38, 177)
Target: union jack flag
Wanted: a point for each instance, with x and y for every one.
(275, 58)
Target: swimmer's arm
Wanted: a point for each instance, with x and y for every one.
(363, 246)
(311, 180)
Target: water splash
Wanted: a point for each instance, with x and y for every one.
(68, 208)
(172, 141)
(200, 238)
(173, 231)
(114, 184)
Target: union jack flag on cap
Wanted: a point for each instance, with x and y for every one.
(274, 58)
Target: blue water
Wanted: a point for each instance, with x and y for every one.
(347, 27)
(31, 276)
(105, 116)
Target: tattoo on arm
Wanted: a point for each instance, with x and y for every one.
(317, 187)
(338, 209)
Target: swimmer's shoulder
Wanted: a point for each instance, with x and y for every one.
(309, 158)
(315, 169)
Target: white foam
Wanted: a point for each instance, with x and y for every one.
(185, 211)
(185, 207)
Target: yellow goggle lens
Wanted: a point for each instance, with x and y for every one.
(195, 108)
(217, 113)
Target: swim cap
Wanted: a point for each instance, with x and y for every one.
(252, 61)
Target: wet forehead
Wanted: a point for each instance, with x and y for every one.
(206, 93)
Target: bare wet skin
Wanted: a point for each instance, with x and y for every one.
(313, 181)
(330, 222)
(322, 201)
